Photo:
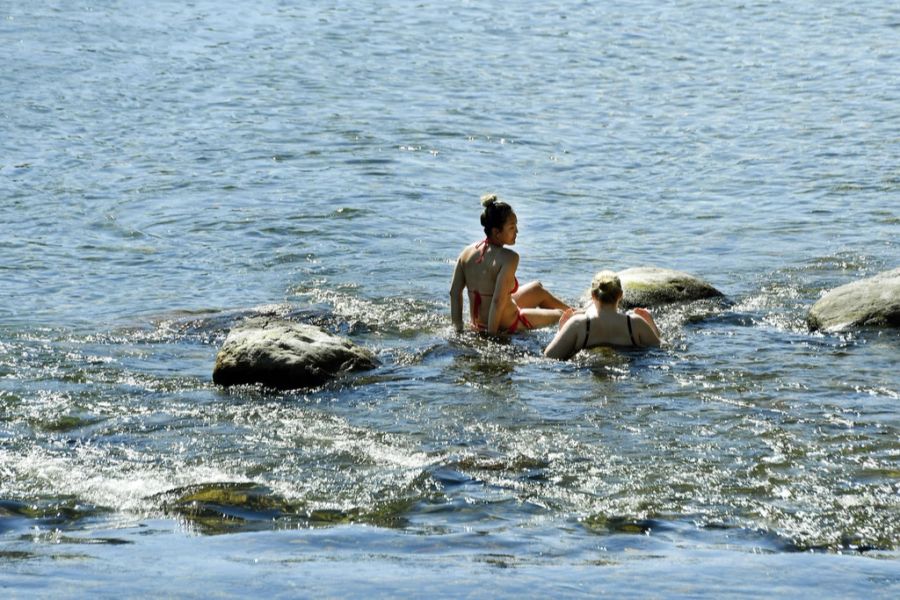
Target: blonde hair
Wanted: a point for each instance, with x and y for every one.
(606, 287)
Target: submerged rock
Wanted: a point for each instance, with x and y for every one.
(872, 302)
(226, 507)
(286, 355)
(653, 286)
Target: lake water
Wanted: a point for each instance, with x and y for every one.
(168, 168)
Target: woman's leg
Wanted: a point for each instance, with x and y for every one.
(540, 317)
(534, 295)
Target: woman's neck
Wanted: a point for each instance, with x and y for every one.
(606, 307)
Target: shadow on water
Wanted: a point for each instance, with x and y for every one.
(477, 369)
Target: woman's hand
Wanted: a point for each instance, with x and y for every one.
(644, 314)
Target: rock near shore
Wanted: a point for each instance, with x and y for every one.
(653, 286)
(286, 355)
(872, 302)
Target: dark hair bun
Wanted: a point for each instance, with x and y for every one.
(495, 213)
(489, 199)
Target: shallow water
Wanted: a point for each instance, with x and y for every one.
(167, 170)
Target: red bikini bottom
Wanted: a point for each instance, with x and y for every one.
(476, 305)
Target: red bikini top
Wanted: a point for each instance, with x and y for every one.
(484, 246)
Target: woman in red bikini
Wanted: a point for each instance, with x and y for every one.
(488, 270)
(604, 325)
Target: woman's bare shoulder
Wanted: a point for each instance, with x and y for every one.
(466, 253)
(576, 322)
(508, 255)
(645, 332)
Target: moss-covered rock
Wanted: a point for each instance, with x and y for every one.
(286, 355)
(653, 286)
(216, 508)
(872, 302)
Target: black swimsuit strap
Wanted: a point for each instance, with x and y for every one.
(587, 332)
(630, 334)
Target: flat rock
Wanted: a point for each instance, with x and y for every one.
(286, 355)
(872, 302)
(653, 286)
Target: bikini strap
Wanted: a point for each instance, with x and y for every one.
(630, 334)
(520, 318)
(484, 246)
(587, 332)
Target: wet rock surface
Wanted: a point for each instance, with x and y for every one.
(872, 302)
(654, 286)
(286, 355)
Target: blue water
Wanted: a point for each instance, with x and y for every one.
(167, 169)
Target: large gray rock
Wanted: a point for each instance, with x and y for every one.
(286, 355)
(872, 302)
(652, 286)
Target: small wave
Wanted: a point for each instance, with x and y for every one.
(395, 315)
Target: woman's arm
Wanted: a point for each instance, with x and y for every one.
(457, 285)
(506, 279)
(563, 346)
(648, 332)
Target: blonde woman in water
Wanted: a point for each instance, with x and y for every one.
(487, 269)
(605, 326)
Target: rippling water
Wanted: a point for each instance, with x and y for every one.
(166, 170)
